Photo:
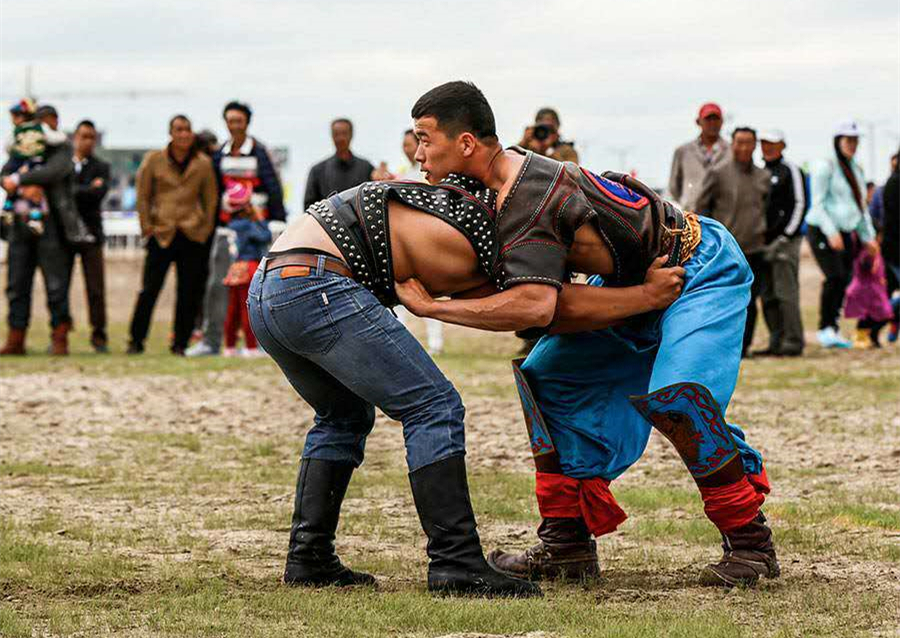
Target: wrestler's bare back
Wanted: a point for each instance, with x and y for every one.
(422, 246)
(589, 253)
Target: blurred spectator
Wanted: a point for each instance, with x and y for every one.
(693, 159)
(867, 299)
(870, 192)
(27, 150)
(735, 192)
(890, 242)
(837, 211)
(780, 288)
(91, 185)
(252, 237)
(410, 172)
(177, 198)
(544, 137)
(339, 172)
(207, 142)
(876, 205)
(46, 250)
(243, 159)
(48, 115)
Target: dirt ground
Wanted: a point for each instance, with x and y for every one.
(126, 482)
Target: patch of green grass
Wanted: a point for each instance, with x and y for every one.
(693, 531)
(218, 607)
(262, 449)
(41, 469)
(58, 568)
(13, 624)
(840, 515)
(504, 496)
(649, 498)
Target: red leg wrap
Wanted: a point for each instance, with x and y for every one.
(560, 496)
(734, 505)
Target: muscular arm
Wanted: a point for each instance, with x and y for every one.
(577, 308)
(581, 307)
(518, 308)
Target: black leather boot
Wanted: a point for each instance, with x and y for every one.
(311, 560)
(441, 494)
(748, 554)
(565, 551)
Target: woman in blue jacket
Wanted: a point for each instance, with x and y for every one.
(838, 223)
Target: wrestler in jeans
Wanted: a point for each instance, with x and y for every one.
(324, 326)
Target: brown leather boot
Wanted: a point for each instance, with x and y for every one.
(59, 340)
(566, 552)
(15, 342)
(749, 554)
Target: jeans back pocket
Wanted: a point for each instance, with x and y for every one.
(301, 318)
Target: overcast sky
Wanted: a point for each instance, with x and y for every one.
(622, 75)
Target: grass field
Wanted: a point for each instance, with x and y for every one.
(151, 496)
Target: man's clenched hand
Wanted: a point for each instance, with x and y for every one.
(662, 286)
(414, 296)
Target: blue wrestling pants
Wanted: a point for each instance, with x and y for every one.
(582, 382)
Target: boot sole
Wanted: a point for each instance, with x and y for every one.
(562, 574)
(359, 580)
(713, 578)
(322, 585)
(451, 591)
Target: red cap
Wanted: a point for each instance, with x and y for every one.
(710, 108)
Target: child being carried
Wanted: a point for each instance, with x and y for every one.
(26, 150)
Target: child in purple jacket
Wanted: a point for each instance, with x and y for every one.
(866, 299)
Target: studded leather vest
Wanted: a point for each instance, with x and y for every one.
(550, 200)
(358, 223)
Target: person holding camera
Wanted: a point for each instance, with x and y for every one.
(543, 138)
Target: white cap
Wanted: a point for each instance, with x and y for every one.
(773, 135)
(847, 129)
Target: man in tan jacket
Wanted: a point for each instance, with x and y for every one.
(176, 202)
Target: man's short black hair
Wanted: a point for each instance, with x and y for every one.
(409, 131)
(342, 120)
(175, 118)
(45, 110)
(87, 123)
(234, 105)
(743, 129)
(458, 107)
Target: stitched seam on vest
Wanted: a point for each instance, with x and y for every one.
(557, 282)
(528, 242)
(539, 211)
(559, 215)
(513, 190)
(612, 249)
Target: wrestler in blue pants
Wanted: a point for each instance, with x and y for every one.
(592, 390)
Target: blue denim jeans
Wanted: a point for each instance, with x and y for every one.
(345, 353)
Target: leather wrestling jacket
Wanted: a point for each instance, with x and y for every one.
(550, 200)
(357, 221)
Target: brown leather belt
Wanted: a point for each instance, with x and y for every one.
(301, 265)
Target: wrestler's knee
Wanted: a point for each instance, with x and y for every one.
(688, 415)
(434, 428)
